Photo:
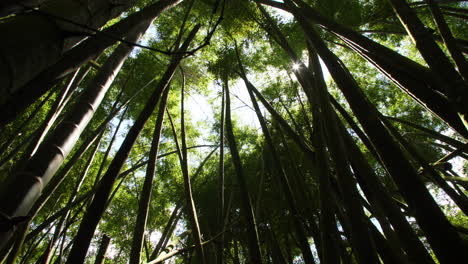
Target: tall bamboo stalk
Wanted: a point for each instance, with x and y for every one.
(255, 255)
(428, 214)
(99, 203)
(221, 182)
(285, 186)
(144, 202)
(29, 182)
(453, 84)
(73, 59)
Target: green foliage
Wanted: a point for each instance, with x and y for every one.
(270, 69)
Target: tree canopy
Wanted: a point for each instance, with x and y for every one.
(233, 131)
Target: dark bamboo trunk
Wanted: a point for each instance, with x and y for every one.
(386, 252)
(26, 55)
(360, 236)
(439, 232)
(452, 83)
(101, 254)
(20, 130)
(448, 38)
(411, 77)
(428, 132)
(55, 183)
(318, 96)
(74, 58)
(143, 205)
(187, 181)
(285, 186)
(8, 7)
(276, 255)
(29, 182)
(173, 219)
(460, 200)
(20, 235)
(111, 143)
(255, 255)
(220, 245)
(59, 227)
(54, 112)
(99, 203)
(376, 192)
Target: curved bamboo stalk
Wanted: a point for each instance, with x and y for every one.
(39, 169)
(99, 203)
(255, 255)
(428, 214)
(285, 186)
(143, 205)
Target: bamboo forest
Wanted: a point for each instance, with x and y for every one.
(233, 131)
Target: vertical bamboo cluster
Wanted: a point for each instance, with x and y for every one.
(325, 177)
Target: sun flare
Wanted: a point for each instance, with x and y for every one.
(296, 66)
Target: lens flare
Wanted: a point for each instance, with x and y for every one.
(296, 66)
